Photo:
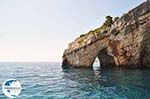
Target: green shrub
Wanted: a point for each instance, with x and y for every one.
(108, 22)
(82, 35)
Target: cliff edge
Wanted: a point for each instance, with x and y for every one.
(126, 43)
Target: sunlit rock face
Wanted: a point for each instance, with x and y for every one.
(125, 44)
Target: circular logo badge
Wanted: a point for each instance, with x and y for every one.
(11, 88)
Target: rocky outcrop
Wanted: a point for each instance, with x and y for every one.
(125, 44)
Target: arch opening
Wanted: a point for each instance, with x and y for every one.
(96, 64)
(104, 59)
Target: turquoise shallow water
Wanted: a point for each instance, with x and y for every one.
(50, 81)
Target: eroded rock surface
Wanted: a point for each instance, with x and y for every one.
(126, 43)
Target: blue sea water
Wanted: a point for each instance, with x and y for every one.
(50, 81)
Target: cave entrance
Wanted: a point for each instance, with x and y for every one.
(104, 59)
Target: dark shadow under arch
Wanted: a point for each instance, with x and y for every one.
(105, 59)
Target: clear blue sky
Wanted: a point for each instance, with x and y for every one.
(39, 30)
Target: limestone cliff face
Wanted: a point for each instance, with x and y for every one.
(126, 43)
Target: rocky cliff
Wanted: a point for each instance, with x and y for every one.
(126, 43)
